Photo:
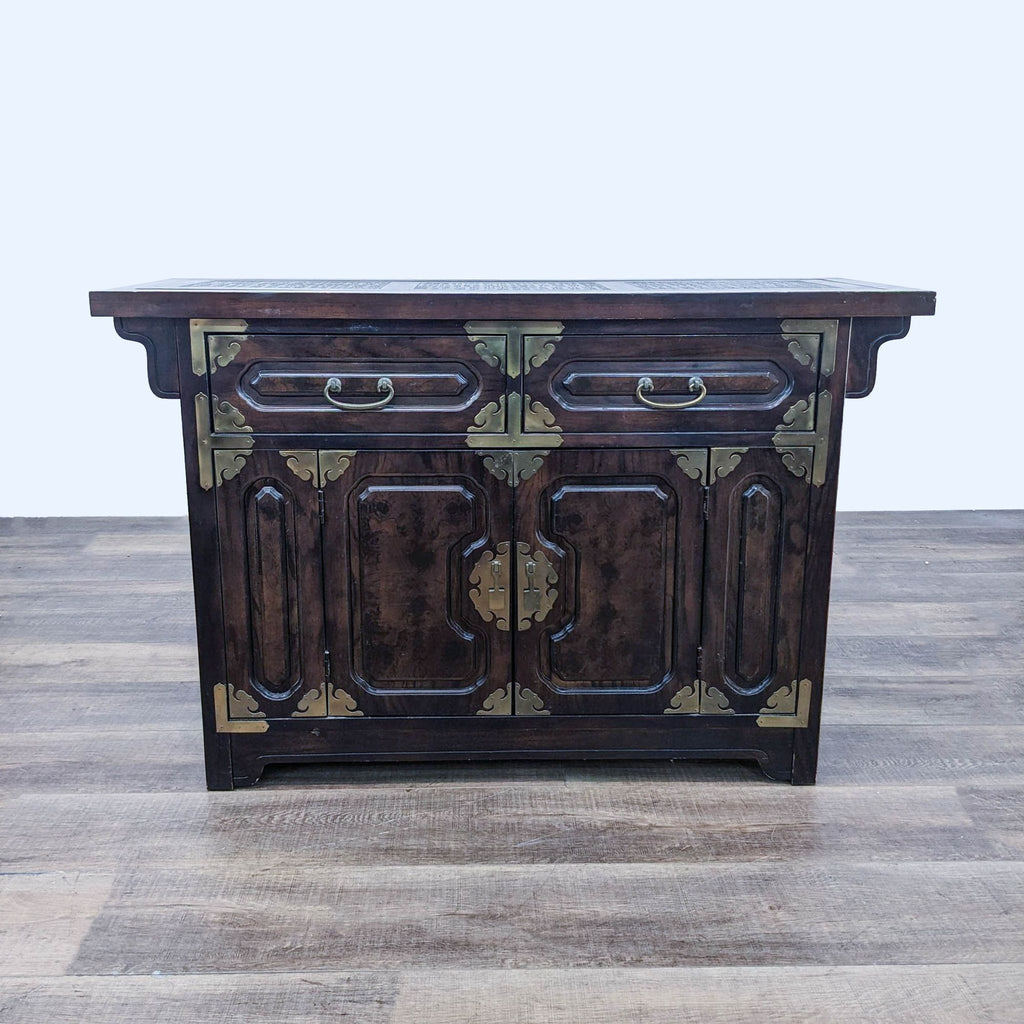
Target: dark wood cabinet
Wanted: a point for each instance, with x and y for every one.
(537, 519)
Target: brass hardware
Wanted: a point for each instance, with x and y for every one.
(536, 428)
(491, 349)
(208, 441)
(383, 384)
(228, 463)
(236, 711)
(318, 467)
(528, 703)
(827, 329)
(536, 580)
(513, 467)
(520, 338)
(538, 349)
(693, 462)
(695, 384)
(221, 351)
(799, 461)
(484, 433)
(795, 697)
(723, 461)
(686, 700)
(333, 463)
(799, 416)
(497, 703)
(342, 704)
(227, 419)
(714, 702)
(813, 414)
(802, 347)
(222, 348)
(313, 704)
(489, 420)
(304, 464)
(489, 583)
(538, 418)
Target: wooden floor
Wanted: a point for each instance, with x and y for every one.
(622, 893)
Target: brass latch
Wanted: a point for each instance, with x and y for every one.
(489, 584)
(497, 592)
(536, 579)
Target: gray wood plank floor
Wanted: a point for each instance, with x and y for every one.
(620, 893)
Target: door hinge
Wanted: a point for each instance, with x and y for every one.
(327, 666)
(700, 662)
(704, 505)
(320, 506)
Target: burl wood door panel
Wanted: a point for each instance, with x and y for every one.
(269, 529)
(617, 633)
(589, 384)
(404, 533)
(277, 382)
(756, 544)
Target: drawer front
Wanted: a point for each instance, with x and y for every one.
(742, 382)
(384, 384)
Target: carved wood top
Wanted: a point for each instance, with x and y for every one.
(259, 298)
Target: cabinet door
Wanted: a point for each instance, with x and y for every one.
(417, 599)
(608, 618)
(269, 530)
(757, 537)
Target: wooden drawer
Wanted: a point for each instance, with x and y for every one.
(590, 383)
(275, 382)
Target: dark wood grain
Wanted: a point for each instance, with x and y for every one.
(694, 590)
(403, 533)
(810, 297)
(623, 530)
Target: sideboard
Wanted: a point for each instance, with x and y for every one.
(511, 519)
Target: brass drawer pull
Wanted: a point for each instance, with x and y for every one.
(646, 384)
(383, 384)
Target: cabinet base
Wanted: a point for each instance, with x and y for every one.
(471, 739)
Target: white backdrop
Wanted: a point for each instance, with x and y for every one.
(524, 140)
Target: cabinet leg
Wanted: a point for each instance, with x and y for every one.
(778, 765)
(218, 761)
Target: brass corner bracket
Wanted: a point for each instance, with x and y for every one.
(312, 704)
(513, 436)
(804, 346)
(237, 711)
(318, 466)
(221, 349)
(813, 416)
(693, 462)
(723, 461)
(342, 704)
(713, 701)
(222, 438)
(686, 700)
(514, 346)
(514, 699)
(789, 707)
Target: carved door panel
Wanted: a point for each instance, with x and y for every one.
(757, 535)
(269, 529)
(417, 596)
(610, 562)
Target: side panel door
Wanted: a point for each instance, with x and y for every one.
(610, 550)
(269, 529)
(416, 559)
(757, 538)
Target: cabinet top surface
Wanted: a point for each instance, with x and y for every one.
(304, 297)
